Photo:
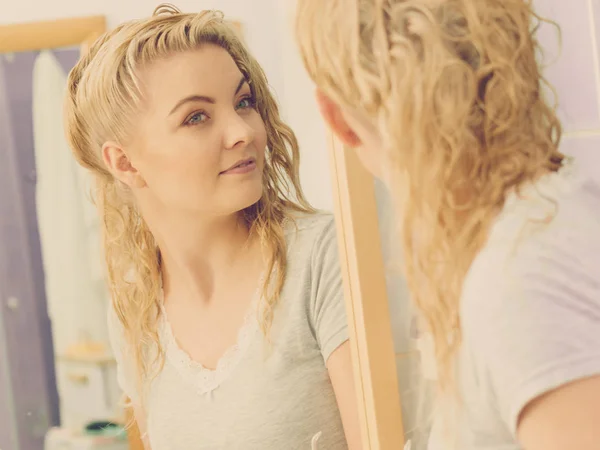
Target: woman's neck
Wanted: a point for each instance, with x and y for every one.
(198, 254)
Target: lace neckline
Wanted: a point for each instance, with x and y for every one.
(206, 380)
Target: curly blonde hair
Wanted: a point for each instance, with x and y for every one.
(102, 97)
(456, 91)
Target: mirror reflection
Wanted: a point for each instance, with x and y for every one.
(198, 301)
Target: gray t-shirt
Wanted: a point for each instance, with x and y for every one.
(261, 396)
(530, 309)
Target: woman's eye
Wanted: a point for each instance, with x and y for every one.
(245, 103)
(196, 118)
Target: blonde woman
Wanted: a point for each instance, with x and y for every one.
(501, 232)
(227, 320)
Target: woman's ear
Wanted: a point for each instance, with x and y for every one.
(120, 165)
(334, 118)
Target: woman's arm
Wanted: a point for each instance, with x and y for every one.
(564, 419)
(330, 323)
(533, 333)
(140, 419)
(136, 429)
(340, 370)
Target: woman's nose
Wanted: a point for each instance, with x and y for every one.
(237, 132)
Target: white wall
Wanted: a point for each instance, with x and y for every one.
(254, 14)
(300, 111)
(575, 73)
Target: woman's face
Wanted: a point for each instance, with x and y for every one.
(198, 142)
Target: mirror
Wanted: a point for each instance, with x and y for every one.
(61, 371)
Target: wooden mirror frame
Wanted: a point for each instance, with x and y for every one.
(365, 291)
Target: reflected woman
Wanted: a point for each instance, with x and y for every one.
(227, 319)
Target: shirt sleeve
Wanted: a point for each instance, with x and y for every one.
(328, 309)
(537, 329)
(123, 357)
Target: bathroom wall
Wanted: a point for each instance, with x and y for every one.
(299, 109)
(576, 74)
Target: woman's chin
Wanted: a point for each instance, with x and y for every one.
(249, 197)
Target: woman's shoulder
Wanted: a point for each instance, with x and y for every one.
(302, 228)
(309, 220)
(541, 259)
(310, 236)
(558, 214)
(314, 289)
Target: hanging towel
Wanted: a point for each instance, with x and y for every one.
(69, 236)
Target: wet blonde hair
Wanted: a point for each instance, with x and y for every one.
(456, 92)
(102, 97)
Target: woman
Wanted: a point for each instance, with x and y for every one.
(501, 232)
(228, 319)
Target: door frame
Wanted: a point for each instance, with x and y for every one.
(24, 37)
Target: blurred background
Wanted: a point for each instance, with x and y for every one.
(55, 366)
